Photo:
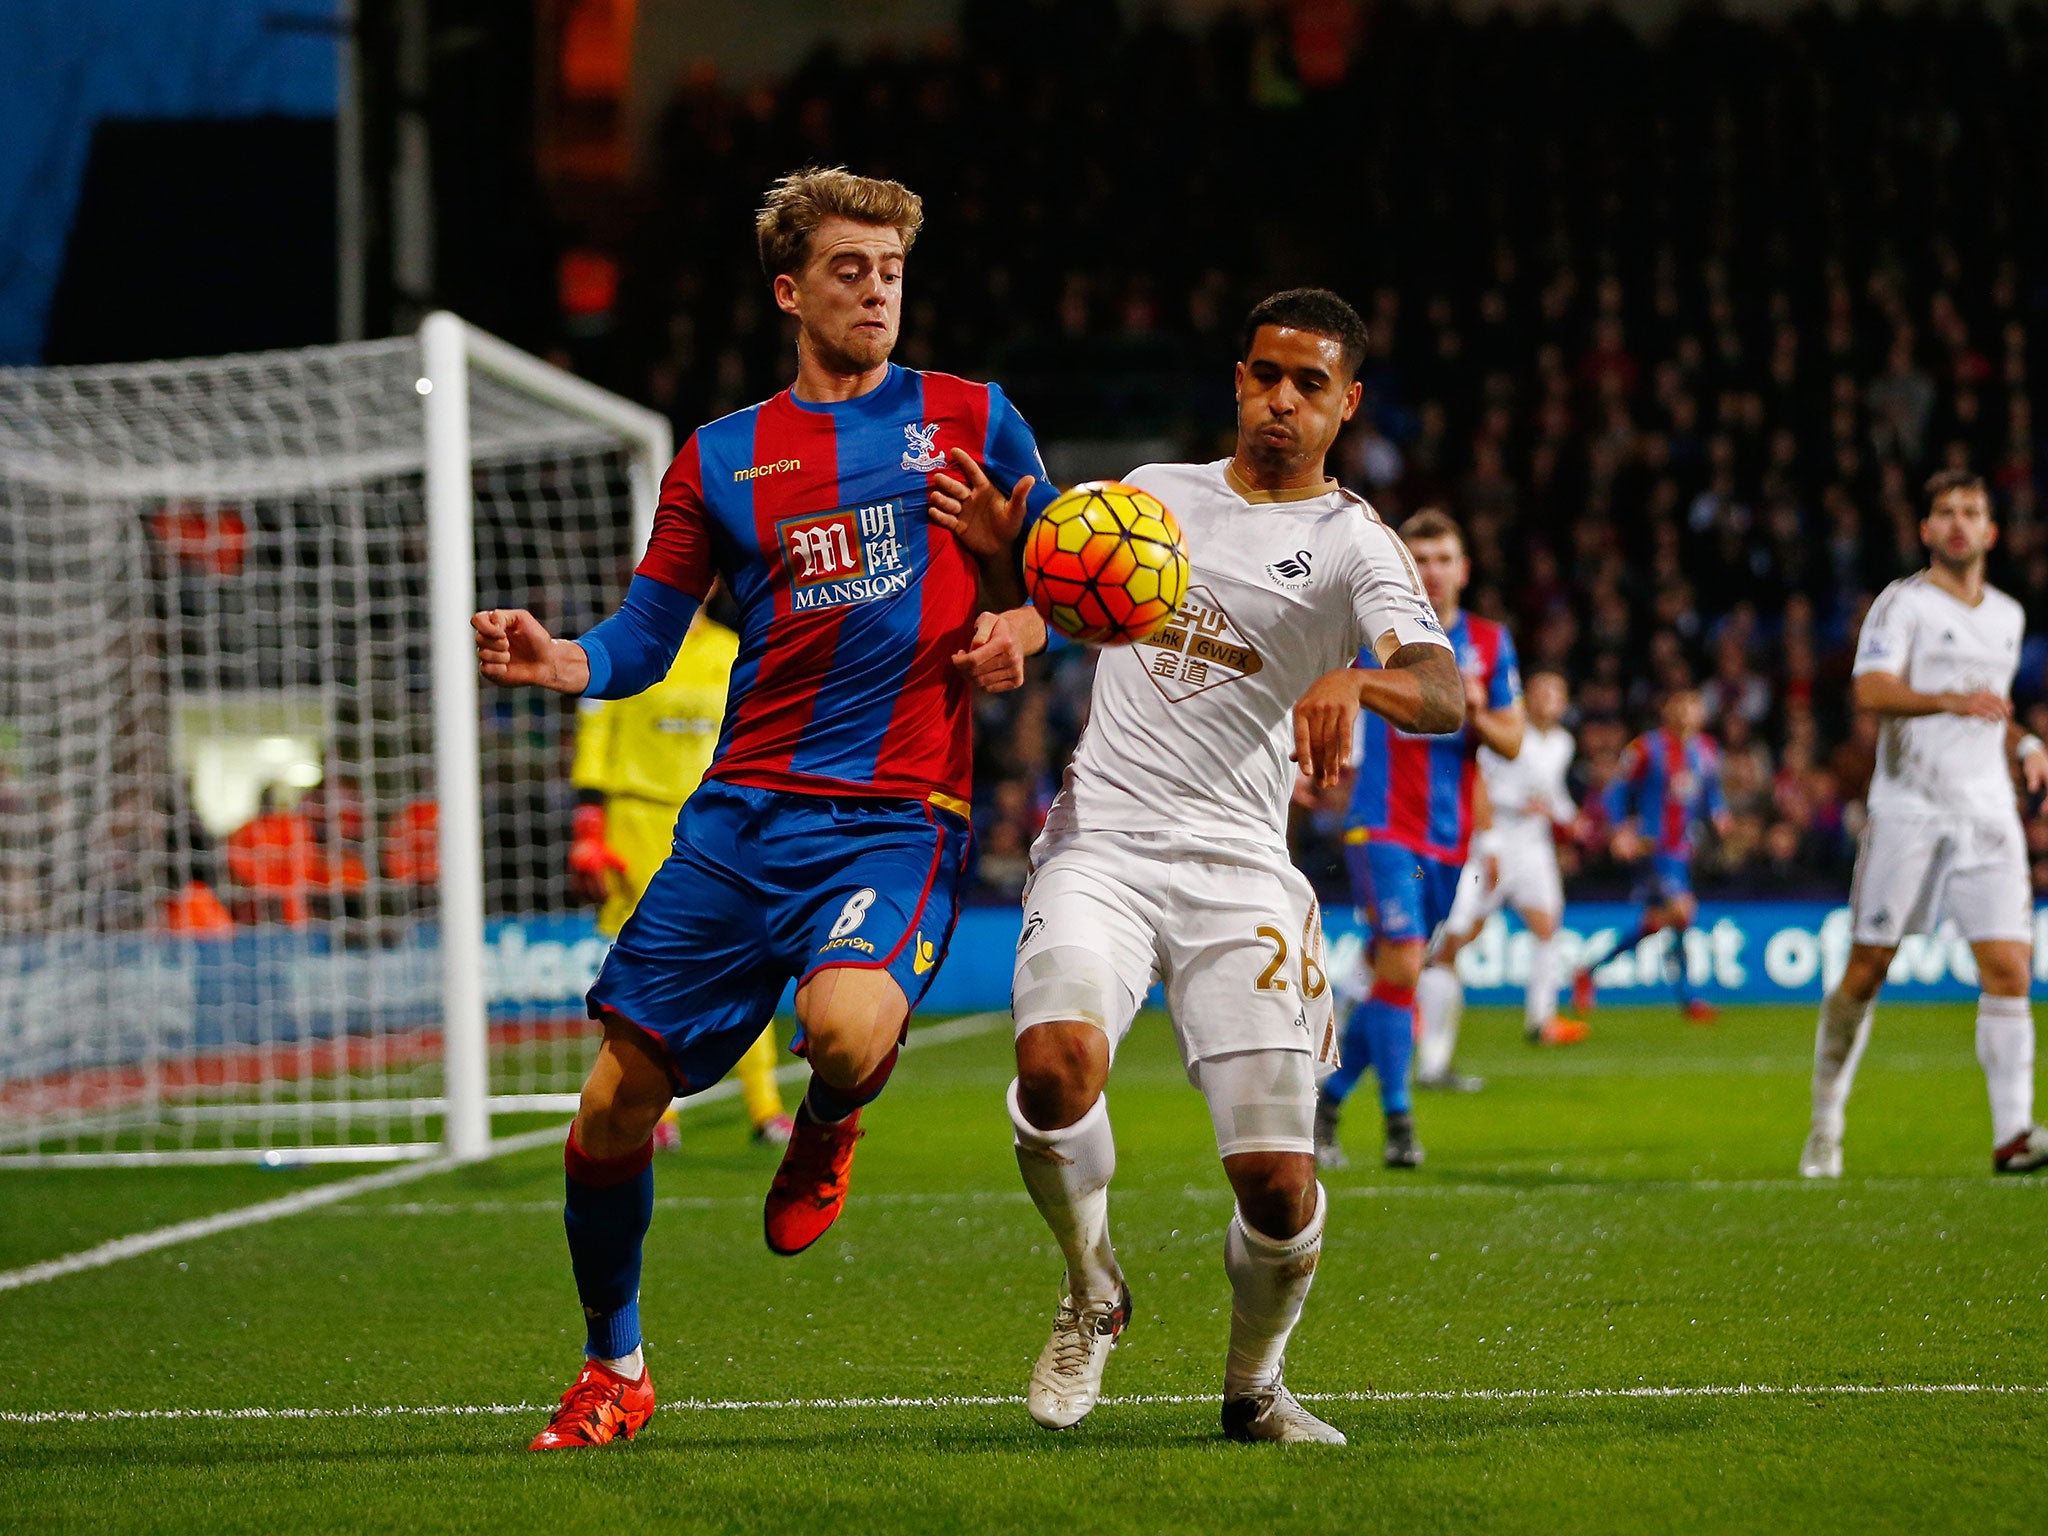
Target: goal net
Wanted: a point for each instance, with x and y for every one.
(277, 881)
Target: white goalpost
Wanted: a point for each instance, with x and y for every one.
(278, 881)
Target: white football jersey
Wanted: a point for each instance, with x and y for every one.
(1192, 731)
(1936, 643)
(1535, 774)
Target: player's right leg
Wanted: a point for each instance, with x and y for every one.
(1389, 886)
(1901, 867)
(681, 995)
(1084, 964)
(610, 1198)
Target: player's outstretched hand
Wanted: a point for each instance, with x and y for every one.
(2034, 773)
(514, 649)
(1323, 722)
(974, 511)
(1981, 705)
(1475, 695)
(994, 659)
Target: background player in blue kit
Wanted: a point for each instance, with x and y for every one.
(1670, 782)
(826, 843)
(1406, 836)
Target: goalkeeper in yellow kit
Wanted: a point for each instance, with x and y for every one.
(637, 760)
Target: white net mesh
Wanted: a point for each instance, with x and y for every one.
(218, 878)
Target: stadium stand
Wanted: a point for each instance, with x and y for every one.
(1680, 381)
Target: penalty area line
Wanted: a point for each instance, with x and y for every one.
(138, 1243)
(1012, 1400)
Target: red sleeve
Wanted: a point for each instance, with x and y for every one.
(679, 554)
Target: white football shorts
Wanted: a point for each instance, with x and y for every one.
(1519, 873)
(1231, 928)
(1912, 871)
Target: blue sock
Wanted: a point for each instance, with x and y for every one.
(1355, 1055)
(609, 1205)
(1674, 963)
(1389, 1020)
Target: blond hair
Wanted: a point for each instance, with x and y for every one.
(799, 202)
(1431, 523)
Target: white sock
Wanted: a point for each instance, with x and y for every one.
(2005, 1046)
(1068, 1174)
(1542, 988)
(1838, 1043)
(1439, 1004)
(1269, 1281)
(628, 1366)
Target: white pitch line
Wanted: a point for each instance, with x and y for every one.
(1005, 1400)
(136, 1244)
(1814, 1188)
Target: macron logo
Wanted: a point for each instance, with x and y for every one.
(756, 471)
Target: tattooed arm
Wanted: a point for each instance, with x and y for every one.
(1419, 688)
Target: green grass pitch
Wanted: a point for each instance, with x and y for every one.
(1601, 1221)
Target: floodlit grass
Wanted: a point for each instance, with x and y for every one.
(1623, 1215)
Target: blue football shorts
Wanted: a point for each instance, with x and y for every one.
(763, 888)
(1664, 877)
(1401, 895)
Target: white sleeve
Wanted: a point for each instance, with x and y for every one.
(1561, 805)
(1387, 601)
(1886, 643)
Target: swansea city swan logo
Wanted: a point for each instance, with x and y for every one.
(1294, 573)
(923, 456)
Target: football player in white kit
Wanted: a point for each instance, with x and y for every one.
(1165, 859)
(1513, 865)
(1935, 661)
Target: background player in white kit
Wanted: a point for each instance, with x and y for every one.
(1936, 660)
(1165, 858)
(1513, 865)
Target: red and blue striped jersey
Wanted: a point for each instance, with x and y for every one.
(1667, 786)
(1416, 791)
(852, 603)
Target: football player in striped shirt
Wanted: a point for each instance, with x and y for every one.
(865, 521)
(1670, 782)
(1406, 837)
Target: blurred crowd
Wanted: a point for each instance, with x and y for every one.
(1676, 327)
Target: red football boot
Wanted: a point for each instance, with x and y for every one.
(1582, 992)
(1700, 1011)
(810, 1186)
(601, 1406)
(1559, 1031)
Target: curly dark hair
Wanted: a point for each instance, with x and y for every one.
(1310, 309)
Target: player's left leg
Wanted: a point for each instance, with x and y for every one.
(1540, 1021)
(1439, 994)
(1390, 886)
(1991, 903)
(874, 894)
(1251, 1005)
(1262, 1103)
(2005, 1049)
(1674, 913)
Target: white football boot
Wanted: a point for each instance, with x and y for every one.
(1821, 1157)
(1067, 1380)
(1274, 1413)
(2025, 1153)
